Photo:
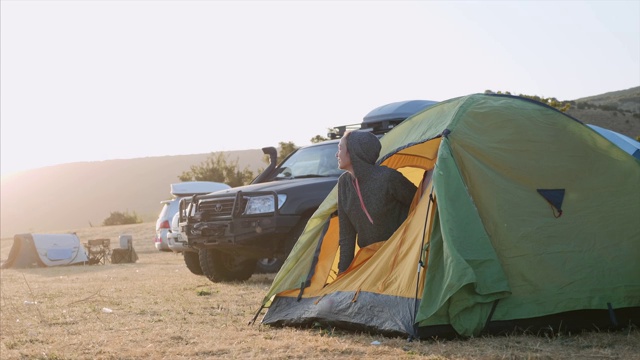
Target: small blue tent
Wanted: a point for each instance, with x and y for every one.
(624, 142)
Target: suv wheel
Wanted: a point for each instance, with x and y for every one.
(269, 265)
(220, 267)
(192, 260)
(273, 265)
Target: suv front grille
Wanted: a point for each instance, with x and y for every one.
(217, 208)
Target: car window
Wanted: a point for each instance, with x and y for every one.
(311, 161)
(174, 206)
(168, 209)
(163, 212)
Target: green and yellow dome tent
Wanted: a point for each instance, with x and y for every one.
(530, 218)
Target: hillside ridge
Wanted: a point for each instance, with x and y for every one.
(76, 195)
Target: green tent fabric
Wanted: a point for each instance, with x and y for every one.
(534, 215)
(465, 275)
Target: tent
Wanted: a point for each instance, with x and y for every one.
(43, 250)
(624, 142)
(529, 221)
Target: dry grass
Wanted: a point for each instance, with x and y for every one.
(162, 311)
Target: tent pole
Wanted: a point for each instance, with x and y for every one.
(420, 265)
(253, 321)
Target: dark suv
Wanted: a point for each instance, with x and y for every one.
(234, 228)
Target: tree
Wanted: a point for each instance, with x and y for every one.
(284, 149)
(318, 138)
(553, 102)
(121, 218)
(219, 169)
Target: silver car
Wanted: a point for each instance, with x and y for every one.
(170, 207)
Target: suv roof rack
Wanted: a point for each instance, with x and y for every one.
(384, 118)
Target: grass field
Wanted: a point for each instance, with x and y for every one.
(156, 309)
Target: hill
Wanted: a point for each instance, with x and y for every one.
(617, 110)
(77, 195)
(70, 196)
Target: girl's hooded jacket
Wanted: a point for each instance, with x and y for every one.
(374, 203)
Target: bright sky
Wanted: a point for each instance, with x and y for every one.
(100, 80)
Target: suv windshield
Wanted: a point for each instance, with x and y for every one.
(311, 162)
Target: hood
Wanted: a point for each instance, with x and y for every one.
(364, 150)
(280, 186)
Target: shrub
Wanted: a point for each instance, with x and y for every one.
(217, 168)
(609, 107)
(122, 218)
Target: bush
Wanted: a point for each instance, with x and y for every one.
(122, 218)
(217, 168)
(609, 107)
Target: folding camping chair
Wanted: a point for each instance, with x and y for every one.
(98, 250)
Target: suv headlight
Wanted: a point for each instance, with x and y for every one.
(263, 204)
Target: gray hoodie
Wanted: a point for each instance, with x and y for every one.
(386, 196)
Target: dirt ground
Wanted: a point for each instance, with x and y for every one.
(156, 309)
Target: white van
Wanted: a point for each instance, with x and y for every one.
(170, 207)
